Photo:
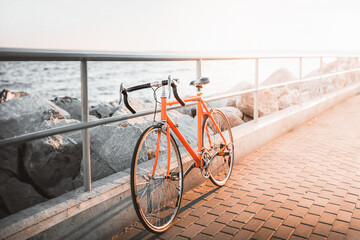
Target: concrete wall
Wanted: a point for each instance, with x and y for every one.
(107, 209)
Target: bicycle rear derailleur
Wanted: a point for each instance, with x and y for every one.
(205, 160)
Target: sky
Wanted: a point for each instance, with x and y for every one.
(186, 25)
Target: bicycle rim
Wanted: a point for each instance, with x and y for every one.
(221, 165)
(156, 198)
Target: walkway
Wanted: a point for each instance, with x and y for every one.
(305, 184)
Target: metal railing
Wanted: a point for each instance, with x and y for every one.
(84, 57)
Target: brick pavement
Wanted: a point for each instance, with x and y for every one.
(305, 184)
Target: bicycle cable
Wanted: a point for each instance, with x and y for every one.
(156, 101)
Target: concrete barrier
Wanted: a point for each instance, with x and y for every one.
(107, 209)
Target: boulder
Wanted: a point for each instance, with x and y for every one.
(25, 114)
(16, 195)
(112, 149)
(69, 104)
(103, 110)
(279, 76)
(267, 103)
(290, 99)
(52, 162)
(6, 95)
(233, 114)
(231, 102)
(9, 160)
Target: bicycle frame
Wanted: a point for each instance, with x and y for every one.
(201, 107)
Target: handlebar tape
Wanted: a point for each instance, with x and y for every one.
(148, 85)
(138, 87)
(124, 92)
(173, 85)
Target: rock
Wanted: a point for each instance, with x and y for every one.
(52, 162)
(231, 102)
(233, 114)
(17, 195)
(279, 76)
(6, 95)
(9, 159)
(34, 109)
(69, 104)
(268, 103)
(112, 149)
(289, 99)
(103, 110)
(190, 111)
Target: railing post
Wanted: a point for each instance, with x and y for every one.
(300, 79)
(321, 76)
(256, 94)
(85, 132)
(198, 68)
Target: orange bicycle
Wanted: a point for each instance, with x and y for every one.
(157, 172)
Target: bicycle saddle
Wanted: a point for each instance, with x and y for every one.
(199, 82)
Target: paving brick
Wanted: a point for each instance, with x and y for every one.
(344, 216)
(289, 204)
(316, 210)
(253, 224)
(225, 218)
(200, 211)
(219, 209)
(263, 233)
(237, 208)
(254, 208)
(336, 236)
(201, 236)
(299, 211)
(316, 237)
(263, 214)
(186, 221)
(303, 230)
(310, 219)
(273, 223)
(272, 205)
(283, 232)
(328, 218)
(355, 224)
(191, 231)
(206, 219)
(292, 221)
(340, 227)
(236, 224)
(281, 213)
(244, 217)
(229, 230)
(212, 228)
(322, 229)
(172, 232)
(243, 234)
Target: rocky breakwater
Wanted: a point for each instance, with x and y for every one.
(41, 169)
(279, 98)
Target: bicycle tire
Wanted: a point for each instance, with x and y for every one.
(156, 200)
(220, 167)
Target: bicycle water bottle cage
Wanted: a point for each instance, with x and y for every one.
(199, 82)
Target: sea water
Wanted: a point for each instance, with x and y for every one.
(57, 79)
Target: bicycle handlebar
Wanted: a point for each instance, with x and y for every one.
(124, 91)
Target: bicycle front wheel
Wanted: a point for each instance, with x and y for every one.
(156, 189)
(218, 140)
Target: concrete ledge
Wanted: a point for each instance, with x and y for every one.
(107, 209)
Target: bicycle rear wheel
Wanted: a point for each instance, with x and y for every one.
(223, 151)
(156, 195)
